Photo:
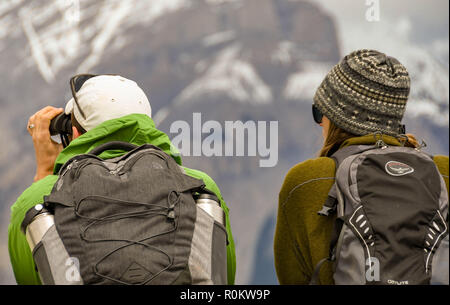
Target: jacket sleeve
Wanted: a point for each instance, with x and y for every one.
(301, 236)
(442, 165)
(21, 258)
(289, 264)
(19, 252)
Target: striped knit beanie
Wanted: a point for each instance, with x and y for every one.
(365, 93)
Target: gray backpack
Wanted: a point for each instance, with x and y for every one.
(128, 220)
(391, 228)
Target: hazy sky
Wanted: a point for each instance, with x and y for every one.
(429, 19)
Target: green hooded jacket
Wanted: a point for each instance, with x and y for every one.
(137, 129)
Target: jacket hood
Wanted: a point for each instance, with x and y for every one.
(137, 129)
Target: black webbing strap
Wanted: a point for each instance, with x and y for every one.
(329, 207)
(112, 145)
(315, 276)
(64, 139)
(332, 252)
(338, 224)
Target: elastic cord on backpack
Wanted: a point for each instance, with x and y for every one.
(149, 211)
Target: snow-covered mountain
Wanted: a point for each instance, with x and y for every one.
(228, 59)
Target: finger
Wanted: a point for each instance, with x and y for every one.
(52, 113)
(41, 122)
(30, 128)
(44, 118)
(30, 123)
(39, 113)
(31, 119)
(45, 110)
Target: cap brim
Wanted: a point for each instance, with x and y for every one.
(69, 106)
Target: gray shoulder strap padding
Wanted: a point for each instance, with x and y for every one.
(347, 151)
(330, 204)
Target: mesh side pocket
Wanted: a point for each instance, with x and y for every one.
(439, 273)
(350, 265)
(219, 254)
(53, 263)
(201, 249)
(42, 264)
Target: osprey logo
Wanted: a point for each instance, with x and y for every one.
(394, 282)
(395, 168)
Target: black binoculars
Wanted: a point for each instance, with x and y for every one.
(61, 124)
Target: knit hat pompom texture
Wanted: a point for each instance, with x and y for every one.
(365, 93)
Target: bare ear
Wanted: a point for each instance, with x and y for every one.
(75, 133)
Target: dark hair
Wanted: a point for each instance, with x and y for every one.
(335, 137)
(76, 124)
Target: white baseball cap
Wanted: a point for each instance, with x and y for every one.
(107, 97)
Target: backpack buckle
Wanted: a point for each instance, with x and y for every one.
(326, 211)
(329, 207)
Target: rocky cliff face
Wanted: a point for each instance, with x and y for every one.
(250, 60)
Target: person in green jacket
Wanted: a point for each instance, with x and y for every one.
(363, 94)
(107, 108)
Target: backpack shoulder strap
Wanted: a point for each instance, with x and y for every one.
(339, 156)
(331, 202)
(348, 151)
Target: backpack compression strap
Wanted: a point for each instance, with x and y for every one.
(330, 204)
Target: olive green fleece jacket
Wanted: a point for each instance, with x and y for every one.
(137, 129)
(302, 237)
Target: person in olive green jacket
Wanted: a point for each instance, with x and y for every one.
(365, 93)
(107, 108)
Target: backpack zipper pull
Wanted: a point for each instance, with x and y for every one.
(381, 144)
(172, 203)
(421, 145)
(379, 140)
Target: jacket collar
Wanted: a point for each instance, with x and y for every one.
(371, 139)
(137, 129)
